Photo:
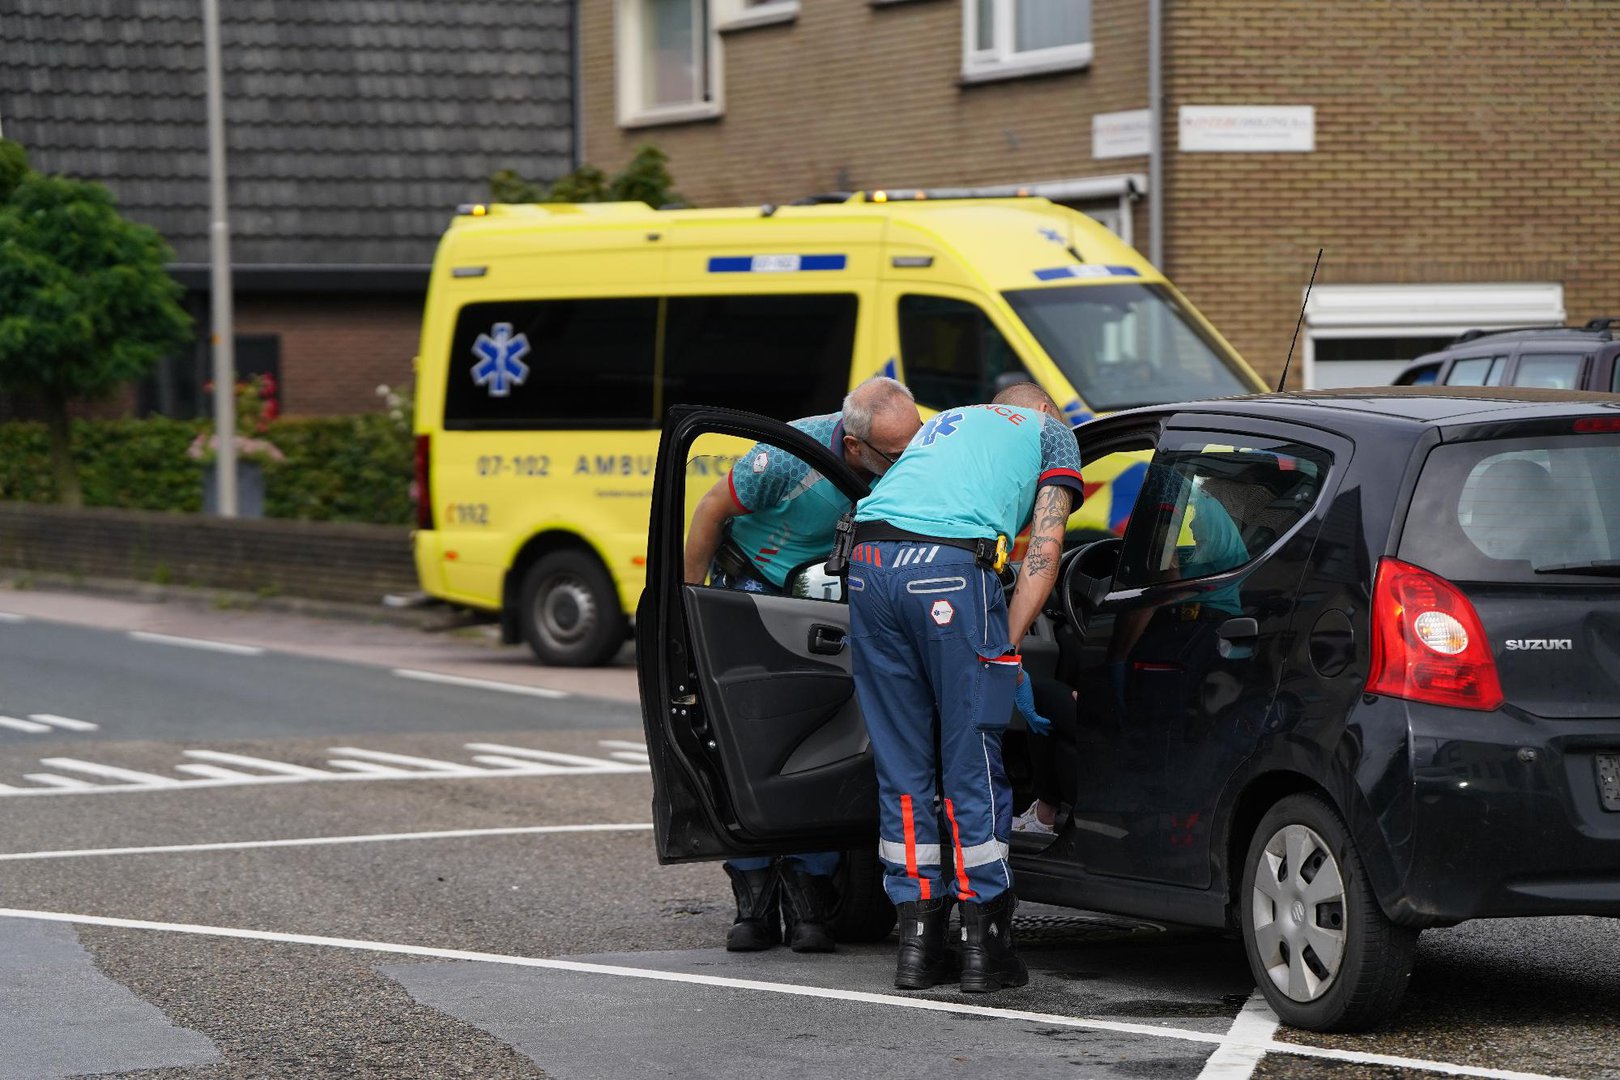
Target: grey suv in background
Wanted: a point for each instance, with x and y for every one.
(1552, 357)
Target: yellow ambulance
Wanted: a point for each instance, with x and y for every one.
(555, 336)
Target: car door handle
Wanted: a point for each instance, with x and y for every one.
(1238, 629)
(827, 640)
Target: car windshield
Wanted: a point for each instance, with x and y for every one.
(1127, 345)
(1518, 510)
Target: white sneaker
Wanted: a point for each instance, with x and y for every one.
(1030, 823)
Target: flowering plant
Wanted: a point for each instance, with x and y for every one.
(256, 407)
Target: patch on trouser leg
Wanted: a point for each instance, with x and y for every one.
(942, 613)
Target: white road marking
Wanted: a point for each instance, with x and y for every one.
(29, 726)
(478, 684)
(428, 764)
(792, 989)
(111, 772)
(52, 780)
(278, 768)
(197, 643)
(1252, 1029)
(622, 744)
(66, 722)
(515, 761)
(631, 756)
(9, 618)
(321, 841)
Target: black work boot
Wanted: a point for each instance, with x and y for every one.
(988, 960)
(759, 910)
(924, 960)
(808, 901)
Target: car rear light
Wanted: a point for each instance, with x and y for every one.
(421, 489)
(1427, 641)
(1590, 424)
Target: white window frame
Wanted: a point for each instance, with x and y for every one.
(742, 15)
(628, 38)
(1439, 309)
(1002, 62)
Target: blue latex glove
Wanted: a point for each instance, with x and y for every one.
(1024, 698)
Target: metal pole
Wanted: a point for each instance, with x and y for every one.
(219, 254)
(1156, 133)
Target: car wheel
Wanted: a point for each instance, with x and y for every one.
(1320, 947)
(569, 611)
(864, 912)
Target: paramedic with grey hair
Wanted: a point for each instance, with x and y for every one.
(770, 514)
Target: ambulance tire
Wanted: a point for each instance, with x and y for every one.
(569, 611)
(864, 912)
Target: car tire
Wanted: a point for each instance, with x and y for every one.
(1320, 947)
(569, 611)
(864, 912)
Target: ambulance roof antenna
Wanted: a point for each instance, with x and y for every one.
(1300, 323)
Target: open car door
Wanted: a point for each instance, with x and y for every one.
(756, 741)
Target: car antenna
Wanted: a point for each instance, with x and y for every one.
(1300, 323)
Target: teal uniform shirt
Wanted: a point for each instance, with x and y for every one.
(972, 473)
(788, 509)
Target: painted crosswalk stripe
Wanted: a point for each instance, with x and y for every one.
(213, 772)
(52, 780)
(550, 757)
(478, 684)
(371, 768)
(8, 617)
(622, 744)
(30, 726)
(111, 772)
(196, 643)
(280, 768)
(425, 764)
(66, 722)
(534, 767)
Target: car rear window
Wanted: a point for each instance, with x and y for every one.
(1518, 510)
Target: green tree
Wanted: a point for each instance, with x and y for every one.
(85, 301)
(645, 179)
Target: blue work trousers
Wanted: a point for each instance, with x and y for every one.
(928, 630)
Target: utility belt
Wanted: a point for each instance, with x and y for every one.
(989, 554)
(735, 563)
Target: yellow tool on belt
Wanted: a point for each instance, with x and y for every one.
(1001, 554)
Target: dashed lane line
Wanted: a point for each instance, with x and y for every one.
(792, 989)
(479, 684)
(321, 841)
(39, 723)
(197, 643)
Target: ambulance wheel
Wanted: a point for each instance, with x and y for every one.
(569, 611)
(1323, 952)
(864, 912)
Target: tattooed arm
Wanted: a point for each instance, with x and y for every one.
(1040, 568)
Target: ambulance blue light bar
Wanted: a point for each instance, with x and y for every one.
(774, 264)
(1084, 270)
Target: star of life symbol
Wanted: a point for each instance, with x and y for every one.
(1052, 235)
(501, 364)
(942, 613)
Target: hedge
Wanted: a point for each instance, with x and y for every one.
(346, 468)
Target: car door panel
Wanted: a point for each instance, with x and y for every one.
(754, 735)
(1176, 678)
(784, 721)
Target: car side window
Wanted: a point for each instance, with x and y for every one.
(1209, 505)
(953, 353)
(1477, 371)
(1552, 371)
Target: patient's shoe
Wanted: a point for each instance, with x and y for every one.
(1030, 824)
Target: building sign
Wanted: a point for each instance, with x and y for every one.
(1122, 134)
(1225, 129)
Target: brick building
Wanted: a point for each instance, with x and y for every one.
(354, 128)
(1458, 160)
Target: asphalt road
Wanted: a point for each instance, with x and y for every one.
(259, 864)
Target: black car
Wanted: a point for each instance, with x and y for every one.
(1546, 357)
(1352, 670)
